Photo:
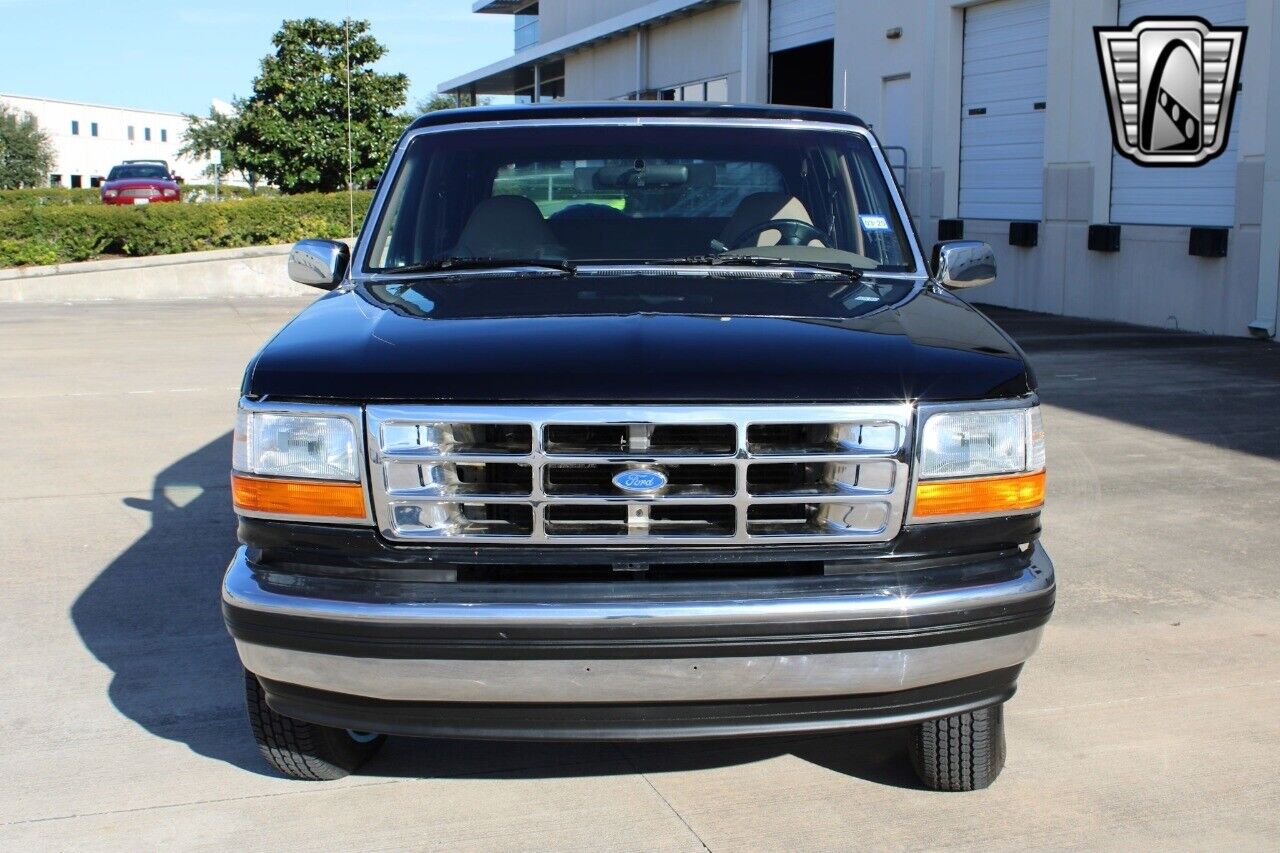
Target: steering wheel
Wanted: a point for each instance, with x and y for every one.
(795, 232)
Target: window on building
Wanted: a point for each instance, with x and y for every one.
(95, 181)
(706, 90)
(527, 27)
(75, 128)
(130, 133)
(164, 135)
(93, 128)
(552, 79)
(146, 134)
(76, 182)
(55, 180)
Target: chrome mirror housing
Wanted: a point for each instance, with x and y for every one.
(319, 263)
(963, 263)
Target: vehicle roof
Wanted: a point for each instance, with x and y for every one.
(634, 109)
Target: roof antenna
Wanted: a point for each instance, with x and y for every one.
(351, 191)
(845, 106)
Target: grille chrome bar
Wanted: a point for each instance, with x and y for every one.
(853, 487)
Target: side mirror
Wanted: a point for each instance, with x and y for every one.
(963, 263)
(319, 263)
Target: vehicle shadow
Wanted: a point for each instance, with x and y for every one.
(879, 757)
(152, 616)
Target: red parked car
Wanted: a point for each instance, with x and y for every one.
(140, 183)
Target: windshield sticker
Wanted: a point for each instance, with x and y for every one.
(874, 223)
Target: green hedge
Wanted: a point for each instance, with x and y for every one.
(41, 196)
(204, 192)
(63, 233)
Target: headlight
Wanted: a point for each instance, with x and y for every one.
(976, 444)
(279, 445)
(979, 462)
(291, 464)
(111, 193)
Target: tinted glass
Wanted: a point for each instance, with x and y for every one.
(639, 193)
(136, 172)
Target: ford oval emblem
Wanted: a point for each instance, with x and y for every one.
(640, 480)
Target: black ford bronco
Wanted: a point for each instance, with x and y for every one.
(637, 422)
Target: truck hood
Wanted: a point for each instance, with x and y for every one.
(347, 346)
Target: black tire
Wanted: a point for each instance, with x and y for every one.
(302, 750)
(964, 752)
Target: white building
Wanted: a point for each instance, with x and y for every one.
(89, 138)
(998, 118)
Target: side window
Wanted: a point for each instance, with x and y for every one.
(877, 223)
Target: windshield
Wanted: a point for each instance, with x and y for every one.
(640, 193)
(119, 173)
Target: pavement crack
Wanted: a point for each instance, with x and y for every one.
(636, 769)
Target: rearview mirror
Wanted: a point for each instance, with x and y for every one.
(963, 263)
(319, 263)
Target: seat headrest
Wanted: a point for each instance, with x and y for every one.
(507, 226)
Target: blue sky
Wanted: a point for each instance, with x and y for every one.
(176, 56)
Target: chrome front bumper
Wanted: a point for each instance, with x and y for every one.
(875, 640)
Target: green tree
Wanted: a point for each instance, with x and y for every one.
(293, 131)
(216, 132)
(440, 101)
(26, 153)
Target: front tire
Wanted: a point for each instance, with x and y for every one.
(302, 750)
(963, 752)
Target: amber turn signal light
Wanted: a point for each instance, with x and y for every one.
(973, 496)
(298, 497)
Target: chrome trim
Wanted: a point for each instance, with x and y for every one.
(516, 270)
(739, 416)
(241, 588)
(319, 263)
(958, 264)
(923, 411)
(353, 415)
(640, 680)
(588, 270)
(649, 679)
(376, 209)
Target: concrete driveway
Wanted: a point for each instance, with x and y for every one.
(1150, 717)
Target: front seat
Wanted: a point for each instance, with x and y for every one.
(507, 226)
(759, 208)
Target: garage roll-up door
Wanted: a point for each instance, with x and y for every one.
(794, 23)
(1005, 77)
(1204, 195)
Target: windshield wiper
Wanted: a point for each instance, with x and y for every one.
(727, 260)
(464, 264)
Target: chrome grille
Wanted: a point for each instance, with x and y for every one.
(544, 474)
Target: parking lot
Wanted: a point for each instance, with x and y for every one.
(1148, 717)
